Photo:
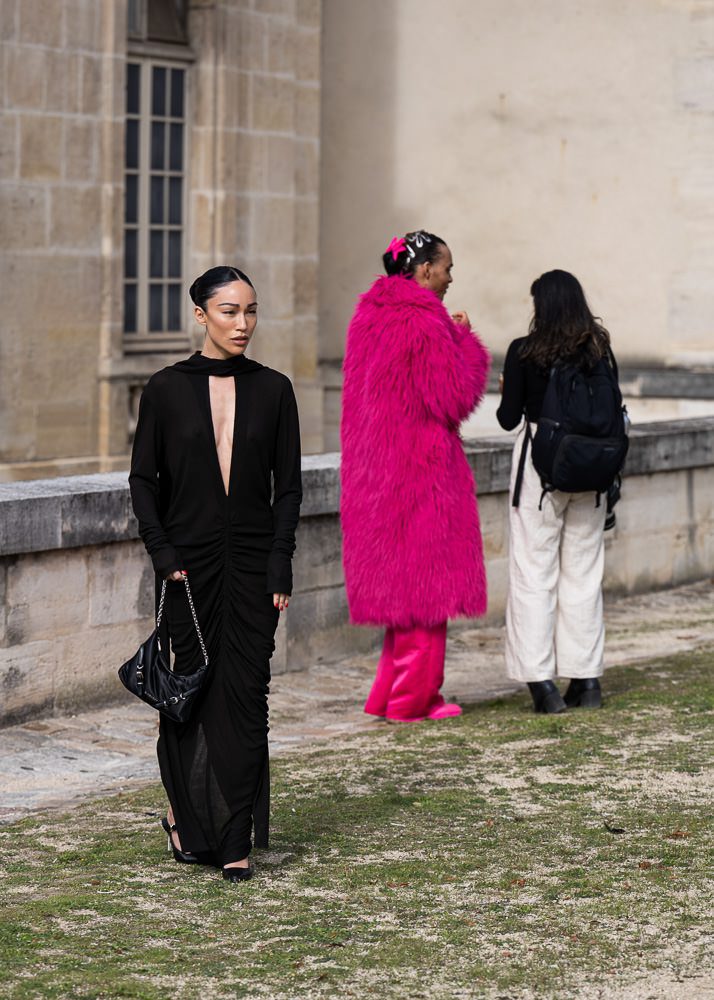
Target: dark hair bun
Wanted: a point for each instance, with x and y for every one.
(206, 286)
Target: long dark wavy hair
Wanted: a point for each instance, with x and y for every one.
(563, 328)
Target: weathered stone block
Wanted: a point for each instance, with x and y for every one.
(281, 164)
(309, 13)
(41, 22)
(306, 276)
(86, 665)
(307, 111)
(84, 23)
(8, 20)
(75, 217)
(318, 557)
(58, 423)
(307, 222)
(91, 85)
(26, 682)
(272, 225)
(25, 78)
(494, 526)
(116, 575)
(235, 100)
(40, 147)
(246, 35)
(245, 162)
(305, 351)
(97, 516)
(307, 167)
(282, 8)
(307, 55)
(280, 46)
(63, 70)
(3, 606)
(319, 624)
(46, 596)
(23, 208)
(81, 150)
(273, 102)
(8, 147)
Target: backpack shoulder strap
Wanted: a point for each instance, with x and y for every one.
(521, 466)
(613, 363)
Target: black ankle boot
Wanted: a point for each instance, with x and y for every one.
(546, 698)
(584, 693)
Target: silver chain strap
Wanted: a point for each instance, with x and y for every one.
(160, 612)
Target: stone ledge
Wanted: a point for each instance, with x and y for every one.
(72, 511)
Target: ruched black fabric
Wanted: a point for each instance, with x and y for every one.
(237, 550)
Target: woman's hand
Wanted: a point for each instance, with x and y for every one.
(177, 575)
(462, 318)
(500, 382)
(281, 601)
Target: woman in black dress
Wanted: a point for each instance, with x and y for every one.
(215, 485)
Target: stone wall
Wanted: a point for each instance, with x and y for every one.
(68, 389)
(77, 588)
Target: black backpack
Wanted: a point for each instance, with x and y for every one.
(581, 439)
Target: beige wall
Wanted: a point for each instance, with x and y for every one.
(570, 133)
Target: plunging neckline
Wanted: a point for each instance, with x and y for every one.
(225, 481)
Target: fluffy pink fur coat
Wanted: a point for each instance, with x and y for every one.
(411, 539)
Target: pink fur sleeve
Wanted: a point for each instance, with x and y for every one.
(448, 366)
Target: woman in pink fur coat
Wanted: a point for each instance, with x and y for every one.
(412, 547)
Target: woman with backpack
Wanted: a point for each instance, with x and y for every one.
(412, 547)
(554, 614)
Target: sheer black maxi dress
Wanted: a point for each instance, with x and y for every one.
(237, 549)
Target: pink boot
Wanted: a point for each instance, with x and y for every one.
(409, 675)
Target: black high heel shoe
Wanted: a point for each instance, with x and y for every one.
(546, 698)
(237, 874)
(584, 692)
(180, 857)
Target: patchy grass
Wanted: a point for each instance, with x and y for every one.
(502, 854)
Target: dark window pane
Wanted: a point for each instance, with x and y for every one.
(176, 151)
(166, 21)
(132, 89)
(174, 254)
(130, 253)
(158, 144)
(156, 318)
(131, 199)
(129, 308)
(175, 188)
(174, 322)
(134, 19)
(156, 209)
(158, 91)
(177, 78)
(156, 254)
(132, 144)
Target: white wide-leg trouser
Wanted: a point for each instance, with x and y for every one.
(554, 615)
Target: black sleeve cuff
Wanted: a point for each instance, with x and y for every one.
(166, 561)
(279, 576)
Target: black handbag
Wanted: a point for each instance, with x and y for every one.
(149, 676)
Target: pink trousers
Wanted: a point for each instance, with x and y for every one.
(409, 675)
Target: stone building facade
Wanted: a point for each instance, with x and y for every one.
(142, 141)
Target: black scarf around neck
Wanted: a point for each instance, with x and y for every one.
(198, 364)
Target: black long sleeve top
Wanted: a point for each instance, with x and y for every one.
(185, 516)
(524, 386)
